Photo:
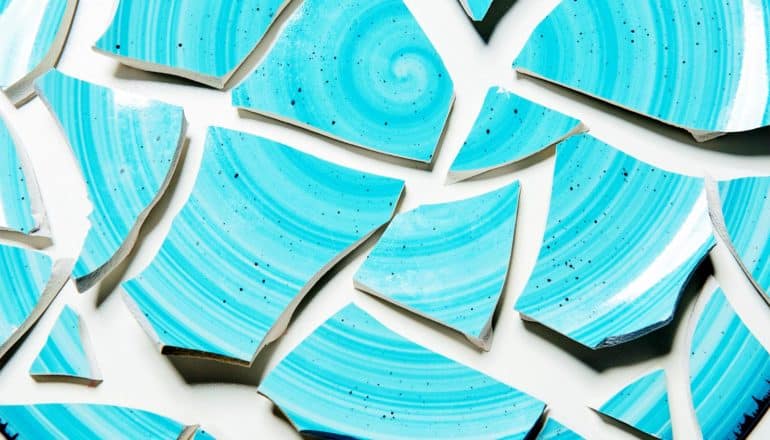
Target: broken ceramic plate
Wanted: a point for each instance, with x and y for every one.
(67, 353)
(622, 240)
(704, 69)
(355, 378)
(554, 430)
(360, 72)
(508, 129)
(204, 40)
(34, 32)
(476, 9)
(89, 422)
(729, 372)
(127, 148)
(263, 224)
(643, 406)
(447, 262)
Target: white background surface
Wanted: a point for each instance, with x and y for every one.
(223, 398)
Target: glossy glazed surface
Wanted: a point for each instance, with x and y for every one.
(554, 430)
(476, 9)
(643, 405)
(64, 353)
(15, 201)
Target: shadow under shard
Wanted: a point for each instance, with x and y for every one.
(497, 11)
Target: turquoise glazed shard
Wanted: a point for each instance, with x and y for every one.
(447, 262)
(508, 129)
(362, 72)
(643, 405)
(622, 240)
(704, 68)
(34, 32)
(66, 354)
(127, 148)
(729, 373)
(554, 430)
(355, 378)
(476, 9)
(263, 224)
(202, 40)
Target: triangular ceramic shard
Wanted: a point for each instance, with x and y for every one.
(476, 9)
(447, 262)
(56, 421)
(263, 224)
(360, 72)
(643, 405)
(508, 129)
(34, 32)
(66, 354)
(355, 378)
(202, 40)
(127, 148)
(651, 57)
(622, 240)
(729, 372)
(554, 430)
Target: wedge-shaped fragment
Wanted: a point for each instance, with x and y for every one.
(643, 405)
(57, 421)
(447, 262)
(554, 430)
(263, 224)
(509, 128)
(66, 354)
(359, 71)
(127, 148)
(729, 372)
(476, 9)
(621, 241)
(202, 40)
(355, 378)
(704, 68)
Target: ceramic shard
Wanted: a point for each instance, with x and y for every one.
(66, 354)
(729, 372)
(476, 9)
(127, 148)
(622, 240)
(554, 430)
(355, 378)
(508, 129)
(34, 32)
(703, 69)
(263, 224)
(202, 40)
(360, 72)
(643, 405)
(447, 262)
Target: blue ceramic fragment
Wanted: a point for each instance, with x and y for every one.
(355, 378)
(202, 40)
(554, 430)
(622, 239)
(704, 68)
(362, 72)
(447, 262)
(476, 9)
(508, 129)
(643, 405)
(729, 372)
(127, 148)
(20, 202)
(263, 223)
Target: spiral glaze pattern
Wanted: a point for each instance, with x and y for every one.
(359, 71)
(64, 353)
(643, 405)
(16, 211)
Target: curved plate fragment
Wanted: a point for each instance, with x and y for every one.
(447, 262)
(362, 72)
(202, 40)
(263, 224)
(643, 405)
(355, 378)
(476, 9)
(508, 129)
(622, 240)
(554, 430)
(34, 32)
(127, 148)
(66, 354)
(729, 372)
(703, 69)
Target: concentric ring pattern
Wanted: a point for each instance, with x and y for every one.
(203, 40)
(702, 68)
(127, 148)
(263, 223)
(554, 430)
(643, 405)
(15, 201)
(447, 262)
(355, 378)
(621, 241)
(359, 71)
